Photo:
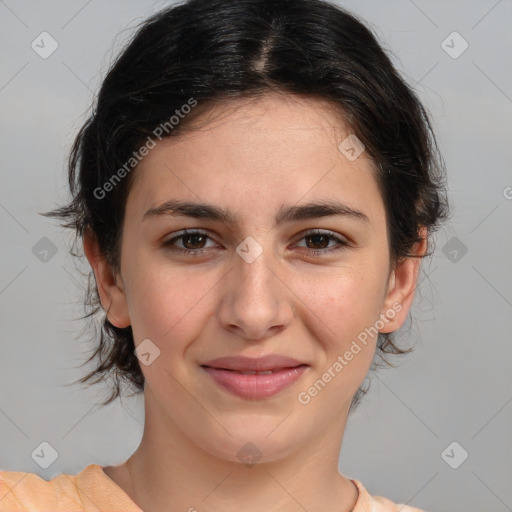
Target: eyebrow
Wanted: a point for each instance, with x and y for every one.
(288, 213)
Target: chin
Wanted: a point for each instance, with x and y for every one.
(250, 452)
(248, 446)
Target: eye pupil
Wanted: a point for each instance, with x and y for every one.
(193, 236)
(316, 241)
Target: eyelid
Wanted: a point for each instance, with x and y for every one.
(326, 232)
(184, 232)
(343, 242)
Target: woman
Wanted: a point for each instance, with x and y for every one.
(255, 191)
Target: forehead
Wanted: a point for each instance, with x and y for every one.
(258, 154)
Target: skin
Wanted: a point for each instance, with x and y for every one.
(251, 157)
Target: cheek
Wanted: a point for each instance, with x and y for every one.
(346, 301)
(347, 314)
(163, 300)
(166, 307)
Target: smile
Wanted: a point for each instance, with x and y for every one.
(252, 384)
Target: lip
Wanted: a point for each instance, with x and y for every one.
(224, 371)
(259, 364)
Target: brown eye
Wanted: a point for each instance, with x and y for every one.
(194, 239)
(192, 242)
(318, 242)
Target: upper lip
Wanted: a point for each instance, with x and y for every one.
(260, 364)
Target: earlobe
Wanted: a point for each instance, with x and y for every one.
(112, 295)
(402, 286)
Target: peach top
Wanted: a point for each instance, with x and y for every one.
(92, 490)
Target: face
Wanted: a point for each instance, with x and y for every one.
(311, 287)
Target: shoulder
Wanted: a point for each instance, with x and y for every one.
(368, 503)
(89, 490)
(30, 491)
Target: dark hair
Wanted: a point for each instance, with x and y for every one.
(208, 51)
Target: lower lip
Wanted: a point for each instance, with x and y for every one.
(255, 387)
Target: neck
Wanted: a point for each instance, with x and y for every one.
(168, 471)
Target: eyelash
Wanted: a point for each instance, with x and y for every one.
(198, 252)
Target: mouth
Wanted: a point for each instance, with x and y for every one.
(254, 379)
(254, 372)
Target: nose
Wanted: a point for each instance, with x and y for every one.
(256, 302)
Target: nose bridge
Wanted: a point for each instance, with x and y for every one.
(254, 261)
(254, 299)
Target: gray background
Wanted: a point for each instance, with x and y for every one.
(456, 386)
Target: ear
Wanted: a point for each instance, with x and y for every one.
(112, 296)
(402, 285)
